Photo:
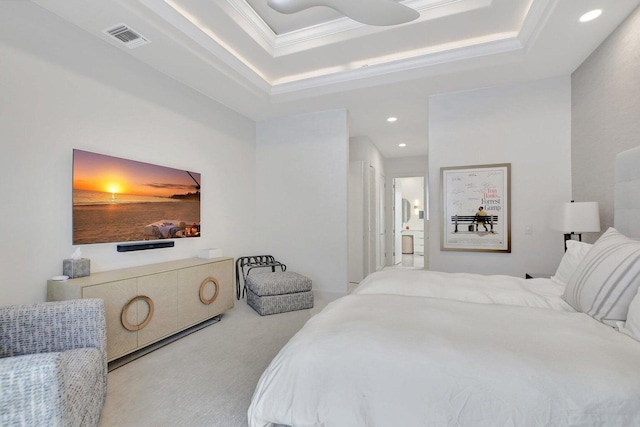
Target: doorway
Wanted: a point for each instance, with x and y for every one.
(410, 216)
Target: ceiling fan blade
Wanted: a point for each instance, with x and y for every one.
(371, 12)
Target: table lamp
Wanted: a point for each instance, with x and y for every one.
(575, 218)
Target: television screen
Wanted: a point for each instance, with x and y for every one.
(119, 200)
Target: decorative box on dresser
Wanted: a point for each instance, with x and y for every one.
(148, 303)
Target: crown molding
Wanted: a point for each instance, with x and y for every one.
(420, 61)
(532, 25)
(232, 64)
(254, 25)
(336, 30)
(416, 60)
(535, 20)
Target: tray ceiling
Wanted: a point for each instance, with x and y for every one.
(262, 63)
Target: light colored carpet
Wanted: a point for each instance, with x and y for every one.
(204, 379)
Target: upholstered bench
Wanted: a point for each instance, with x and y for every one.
(278, 292)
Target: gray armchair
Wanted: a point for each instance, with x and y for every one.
(53, 363)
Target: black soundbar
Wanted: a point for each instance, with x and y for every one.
(142, 246)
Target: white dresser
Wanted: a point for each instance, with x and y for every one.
(148, 303)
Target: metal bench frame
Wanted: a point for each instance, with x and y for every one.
(473, 220)
(245, 264)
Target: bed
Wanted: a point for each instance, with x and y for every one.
(421, 348)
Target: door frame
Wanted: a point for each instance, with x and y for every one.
(392, 213)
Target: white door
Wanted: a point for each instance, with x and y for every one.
(397, 221)
(382, 235)
(356, 214)
(372, 224)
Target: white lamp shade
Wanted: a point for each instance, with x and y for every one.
(579, 217)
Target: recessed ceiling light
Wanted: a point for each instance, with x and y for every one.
(392, 119)
(590, 16)
(402, 145)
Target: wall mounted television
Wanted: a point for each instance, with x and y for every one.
(120, 200)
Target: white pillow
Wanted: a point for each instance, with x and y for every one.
(606, 279)
(632, 325)
(576, 250)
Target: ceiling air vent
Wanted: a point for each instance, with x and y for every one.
(127, 36)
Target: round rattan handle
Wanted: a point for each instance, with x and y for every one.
(130, 327)
(204, 299)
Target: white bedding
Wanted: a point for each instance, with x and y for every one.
(392, 360)
(497, 289)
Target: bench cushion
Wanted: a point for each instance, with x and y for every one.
(266, 283)
(273, 304)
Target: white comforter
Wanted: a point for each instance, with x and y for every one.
(391, 360)
(497, 289)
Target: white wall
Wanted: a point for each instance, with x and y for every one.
(301, 168)
(527, 125)
(63, 89)
(361, 148)
(605, 116)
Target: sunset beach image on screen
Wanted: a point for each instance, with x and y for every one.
(120, 200)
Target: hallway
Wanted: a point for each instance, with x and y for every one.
(415, 261)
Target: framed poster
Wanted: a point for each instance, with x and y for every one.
(476, 208)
